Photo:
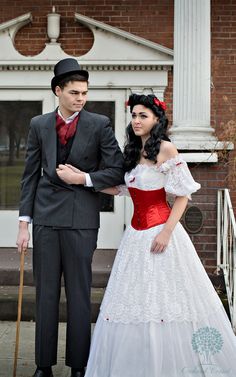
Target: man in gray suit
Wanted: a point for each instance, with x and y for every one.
(65, 216)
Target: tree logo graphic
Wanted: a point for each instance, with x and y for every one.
(207, 341)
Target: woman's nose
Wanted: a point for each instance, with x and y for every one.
(136, 120)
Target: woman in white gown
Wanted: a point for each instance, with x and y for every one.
(160, 316)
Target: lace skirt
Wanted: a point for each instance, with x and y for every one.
(160, 316)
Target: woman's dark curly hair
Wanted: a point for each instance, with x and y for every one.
(133, 143)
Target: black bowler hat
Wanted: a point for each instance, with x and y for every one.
(64, 68)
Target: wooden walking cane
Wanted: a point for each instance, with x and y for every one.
(22, 259)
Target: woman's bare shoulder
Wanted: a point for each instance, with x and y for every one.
(168, 150)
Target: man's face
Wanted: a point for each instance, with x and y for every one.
(72, 97)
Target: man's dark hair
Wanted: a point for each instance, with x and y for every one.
(76, 77)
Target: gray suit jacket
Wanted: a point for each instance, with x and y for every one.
(50, 201)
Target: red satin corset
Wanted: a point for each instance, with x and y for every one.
(150, 208)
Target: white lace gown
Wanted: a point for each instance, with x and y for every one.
(161, 316)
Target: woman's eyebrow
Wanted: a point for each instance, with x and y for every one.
(141, 112)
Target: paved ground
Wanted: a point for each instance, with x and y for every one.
(26, 366)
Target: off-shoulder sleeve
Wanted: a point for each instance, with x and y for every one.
(178, 179)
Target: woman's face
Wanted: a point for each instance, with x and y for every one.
(143, 120)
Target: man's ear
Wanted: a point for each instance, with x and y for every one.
(58, 91)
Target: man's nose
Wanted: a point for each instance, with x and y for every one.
(79, 96)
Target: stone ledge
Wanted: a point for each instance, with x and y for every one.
(9, 303)
(10, 262)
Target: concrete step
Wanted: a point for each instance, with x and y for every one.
(101, 267)
(9, 303)
(10, 262)
(9, 283)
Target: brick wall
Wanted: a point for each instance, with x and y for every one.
(223, 115)
(152, 20)
(211, 177)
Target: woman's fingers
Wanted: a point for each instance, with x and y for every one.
(158, 248)
(158, 245)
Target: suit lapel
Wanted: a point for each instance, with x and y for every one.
(81, 139)
(50, 143)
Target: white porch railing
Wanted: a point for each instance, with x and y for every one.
(226, 249)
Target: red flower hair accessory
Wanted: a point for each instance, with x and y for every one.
(127, 103)
(160, 103)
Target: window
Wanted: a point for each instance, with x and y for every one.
(14, 122)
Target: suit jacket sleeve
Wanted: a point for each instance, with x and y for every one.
(31, 173)
(111, 173)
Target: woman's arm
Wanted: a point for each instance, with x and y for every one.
(111, 191)
(161, 241)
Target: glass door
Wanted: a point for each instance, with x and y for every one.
(17, 107)
(110, 102)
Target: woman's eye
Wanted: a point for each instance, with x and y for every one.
(141, 116)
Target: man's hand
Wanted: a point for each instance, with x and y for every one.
(71, 175)
(23, 237)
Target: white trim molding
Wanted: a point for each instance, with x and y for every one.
(117, 60)
(12, 26)
(137, 53)
(115, 40)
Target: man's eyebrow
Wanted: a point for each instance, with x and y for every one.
(78, 91)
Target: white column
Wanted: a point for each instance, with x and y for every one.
(192, 75)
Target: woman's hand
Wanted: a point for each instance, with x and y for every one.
(71, 175)
(160, 242)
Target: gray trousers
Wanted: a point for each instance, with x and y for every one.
(68, 252)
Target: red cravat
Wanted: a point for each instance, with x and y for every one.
(65, 130)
